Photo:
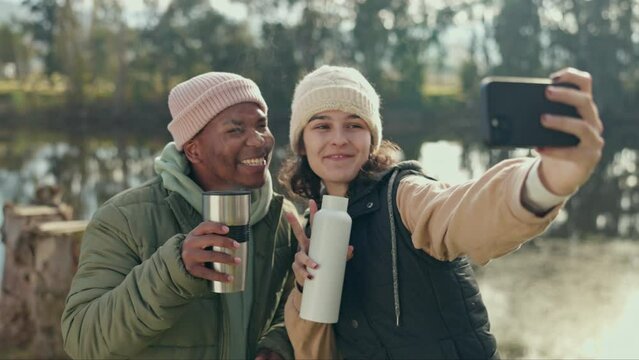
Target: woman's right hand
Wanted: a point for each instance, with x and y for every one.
(302, 260)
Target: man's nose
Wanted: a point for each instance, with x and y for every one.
(256, 138)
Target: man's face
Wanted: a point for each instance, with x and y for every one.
(233, 150)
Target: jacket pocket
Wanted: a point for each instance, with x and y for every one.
(198, 326)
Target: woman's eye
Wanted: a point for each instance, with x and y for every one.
(235, 130)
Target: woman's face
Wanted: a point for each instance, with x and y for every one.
(337, 145)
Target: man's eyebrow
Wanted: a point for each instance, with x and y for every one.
(238, 122)
(233, 121)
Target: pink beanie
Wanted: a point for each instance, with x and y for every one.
(194, 102)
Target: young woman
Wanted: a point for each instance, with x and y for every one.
(409, 290)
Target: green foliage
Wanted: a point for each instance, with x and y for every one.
(517, 33)
(469, 76)
(279, 72)
(108, 60)
(7, 50)
(43, 28)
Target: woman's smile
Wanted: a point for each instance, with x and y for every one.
(338, 157)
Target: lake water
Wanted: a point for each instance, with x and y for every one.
(554, 299)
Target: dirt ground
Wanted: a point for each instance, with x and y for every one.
(556, 299)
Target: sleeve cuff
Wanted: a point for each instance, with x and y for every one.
(184, 284)
(296, 298)
(535, 196)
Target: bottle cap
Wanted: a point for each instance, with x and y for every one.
(334, 202)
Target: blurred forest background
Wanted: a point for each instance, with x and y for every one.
(83, 84)
(83, 89)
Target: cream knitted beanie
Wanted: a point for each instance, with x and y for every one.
(194, 102)
(334, 88)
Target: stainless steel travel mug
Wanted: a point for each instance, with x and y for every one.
(231, 208)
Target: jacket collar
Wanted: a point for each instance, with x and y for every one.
(362, 193)
(187, 217)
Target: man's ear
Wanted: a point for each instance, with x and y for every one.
(191, 150)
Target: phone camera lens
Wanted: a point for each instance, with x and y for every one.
(501, 129)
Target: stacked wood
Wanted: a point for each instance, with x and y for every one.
(41, 256)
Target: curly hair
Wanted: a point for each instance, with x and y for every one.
(300, 182)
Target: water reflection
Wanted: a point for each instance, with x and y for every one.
(443, 161)
(619, 338)
(561, 299)
(88, 173)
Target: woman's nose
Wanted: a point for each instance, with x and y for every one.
(339, 137)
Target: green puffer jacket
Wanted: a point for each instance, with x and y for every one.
(132, 298)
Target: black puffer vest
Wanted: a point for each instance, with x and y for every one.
(434, 310)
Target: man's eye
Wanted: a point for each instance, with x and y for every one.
(235, 130)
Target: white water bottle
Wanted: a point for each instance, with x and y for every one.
(330, 234)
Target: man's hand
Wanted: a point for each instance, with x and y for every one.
(267, 354)
(194, 255)
(564, 170)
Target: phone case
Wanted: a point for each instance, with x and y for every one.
(511, 110)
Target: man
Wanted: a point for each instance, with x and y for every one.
(142, 287)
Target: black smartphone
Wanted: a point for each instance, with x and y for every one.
(511, 109)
